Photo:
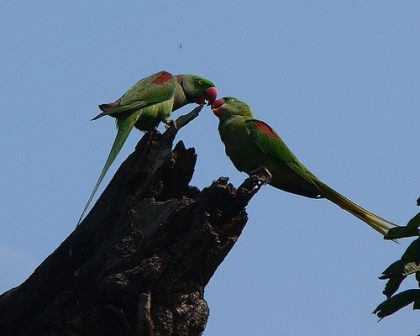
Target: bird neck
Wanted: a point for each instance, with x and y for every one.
(180, 99)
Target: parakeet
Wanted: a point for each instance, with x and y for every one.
(254, 147)
(147, 103)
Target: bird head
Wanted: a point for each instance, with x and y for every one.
(229, 106)
(198, 89)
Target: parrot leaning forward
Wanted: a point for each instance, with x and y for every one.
(255, 148)
(147, 103)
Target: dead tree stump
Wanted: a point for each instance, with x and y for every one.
(139, 261)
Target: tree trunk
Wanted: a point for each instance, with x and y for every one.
(139, 261)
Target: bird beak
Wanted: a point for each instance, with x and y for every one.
(210, 94)
(215, 107)
(216, 104)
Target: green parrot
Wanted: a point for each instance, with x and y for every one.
(255, 148)
(147, 103)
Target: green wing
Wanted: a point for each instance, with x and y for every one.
(268, 141)
(288, 172)
(147, 102)
(303, 182)
(150, 90)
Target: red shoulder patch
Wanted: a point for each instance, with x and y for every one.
(262, 126)
(179, 78)
(163, 78)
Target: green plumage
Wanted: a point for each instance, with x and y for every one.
(147, 103)
(252, 144)
(150, 100)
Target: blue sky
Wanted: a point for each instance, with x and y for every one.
(338, 81)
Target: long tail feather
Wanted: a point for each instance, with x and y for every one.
(378, 223)
(124, 125)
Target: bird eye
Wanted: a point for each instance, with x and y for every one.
(200, 81)
(231, 100)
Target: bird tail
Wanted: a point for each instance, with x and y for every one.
(378, 223)
(108, 109)
(124, 126)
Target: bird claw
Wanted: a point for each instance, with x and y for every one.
(170, 123)
(262, 175)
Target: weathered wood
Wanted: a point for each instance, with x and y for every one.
(139, 261)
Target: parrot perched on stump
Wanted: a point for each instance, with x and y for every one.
(147, 103)
(256, 149)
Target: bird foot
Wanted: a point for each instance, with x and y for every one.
(170, 123)
(262, 175)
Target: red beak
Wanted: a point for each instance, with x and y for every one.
(210, 94)
(216, 104)
(215, 107)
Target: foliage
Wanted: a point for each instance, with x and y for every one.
(400, 269)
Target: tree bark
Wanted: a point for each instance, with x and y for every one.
(139, 261)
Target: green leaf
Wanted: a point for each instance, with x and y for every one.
(410, 230)
(416, 305)
(392, 285)
(394, 273)
(411, 268)
(417, 253)
(396, 268)
(410, 253)
(397, 302)
(414, 223)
